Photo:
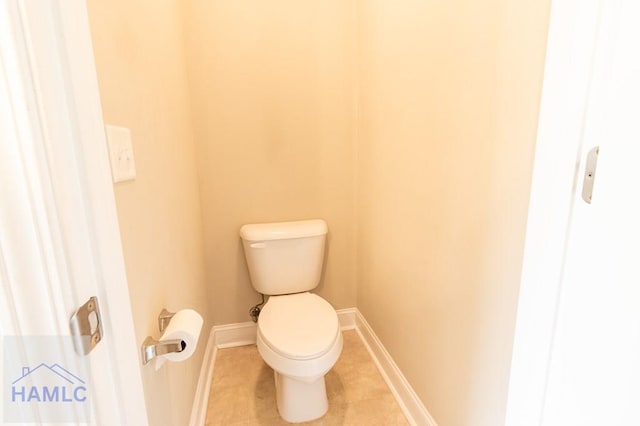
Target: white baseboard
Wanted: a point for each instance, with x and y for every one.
(240, 334)
(199, 409)
(347, 318)
(411, 406)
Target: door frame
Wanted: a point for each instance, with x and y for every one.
(571, 46)
(70, 50)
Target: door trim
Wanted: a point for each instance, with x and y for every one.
(572, 37)
(64, 63)
(75, 38)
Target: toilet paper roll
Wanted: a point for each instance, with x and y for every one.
(184, 325)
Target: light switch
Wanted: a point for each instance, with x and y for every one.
(123, 167)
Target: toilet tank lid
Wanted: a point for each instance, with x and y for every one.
(283, 230)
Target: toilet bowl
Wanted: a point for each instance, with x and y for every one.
(299, 337)
(298, 332)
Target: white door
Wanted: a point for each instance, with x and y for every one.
(594, 374)
(59, 238)
(577, 342)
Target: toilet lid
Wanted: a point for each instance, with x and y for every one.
(299, 326)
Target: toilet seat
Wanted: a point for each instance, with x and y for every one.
(299, 326)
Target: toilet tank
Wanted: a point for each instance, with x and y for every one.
(284, 257)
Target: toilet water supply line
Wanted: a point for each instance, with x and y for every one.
(254, 312)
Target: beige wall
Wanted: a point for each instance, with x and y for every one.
(449, 95)
(409, 126)
(141, 71)
(272, 100)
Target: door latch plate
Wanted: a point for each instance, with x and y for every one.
(86, 327)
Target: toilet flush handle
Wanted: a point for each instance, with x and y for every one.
(258, 245)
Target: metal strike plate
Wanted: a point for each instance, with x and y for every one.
(590, 174)
(86, 326)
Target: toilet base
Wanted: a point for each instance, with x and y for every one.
(300, 401)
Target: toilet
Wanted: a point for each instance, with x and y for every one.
(298, 332)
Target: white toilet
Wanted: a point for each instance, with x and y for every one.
(298, 332)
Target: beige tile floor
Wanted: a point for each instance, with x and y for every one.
(243, 391)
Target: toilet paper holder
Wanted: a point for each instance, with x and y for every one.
(152, 348)
(164, 319)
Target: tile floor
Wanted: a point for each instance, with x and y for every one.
(243, 392)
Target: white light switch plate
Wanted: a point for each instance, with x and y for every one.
(123, 166)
